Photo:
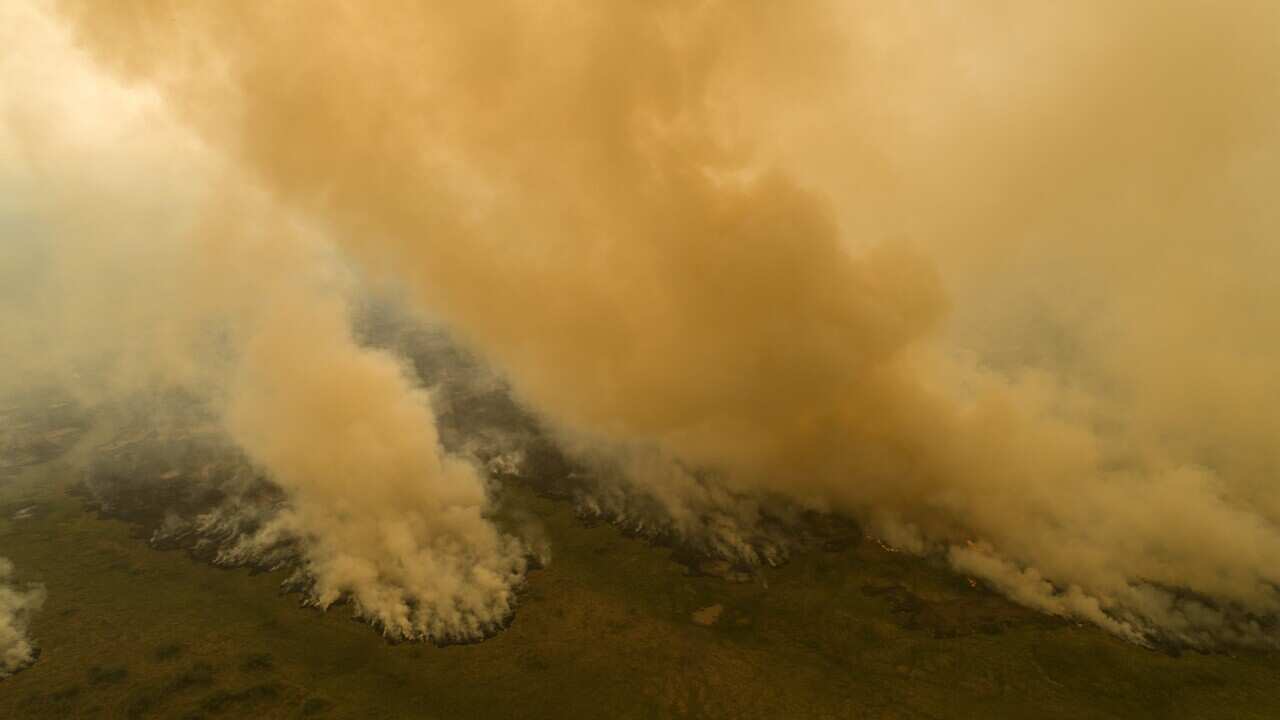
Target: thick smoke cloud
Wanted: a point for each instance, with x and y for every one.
(146, 266)
(384, 519)
(16, 607)
(995, 278)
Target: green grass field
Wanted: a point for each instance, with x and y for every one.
(607, 630)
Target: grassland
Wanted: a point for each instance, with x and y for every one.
(612, 628)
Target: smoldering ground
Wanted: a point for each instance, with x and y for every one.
(994, 280)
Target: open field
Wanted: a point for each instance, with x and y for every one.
(612, 628)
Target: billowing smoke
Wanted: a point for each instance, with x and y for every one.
(16, 607)
(384, 518)
(995, 279)
(147, 268)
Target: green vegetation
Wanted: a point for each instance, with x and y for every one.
(607, 630)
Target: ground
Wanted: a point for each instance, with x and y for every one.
(612, 627)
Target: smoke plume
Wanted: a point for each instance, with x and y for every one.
(148, 266)
(16, 607)
(997, 280)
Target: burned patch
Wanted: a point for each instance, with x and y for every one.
(977, 612)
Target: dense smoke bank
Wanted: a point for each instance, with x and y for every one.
(16, 607)
(995, 280)
(159, 287)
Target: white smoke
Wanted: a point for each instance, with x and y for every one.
(17, 605)
(154, 266)
(1000, 274)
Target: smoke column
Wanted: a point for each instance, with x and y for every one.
(997, 280)
(16, 608)
(143, 263)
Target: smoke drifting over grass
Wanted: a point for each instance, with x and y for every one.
(16, 607)
(997, 280)
(148, 268)
(383, 518)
